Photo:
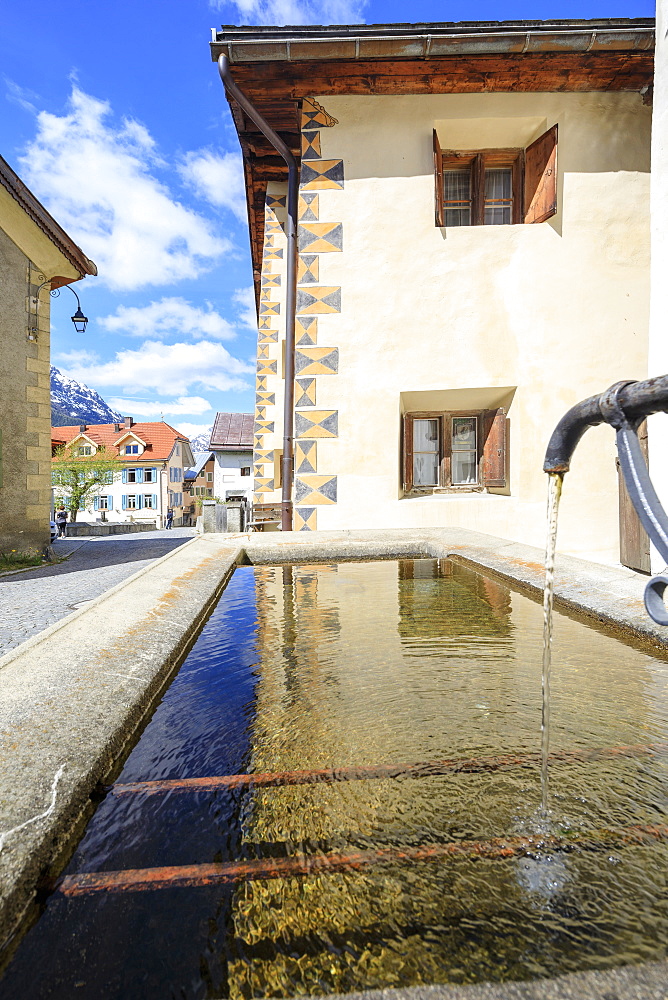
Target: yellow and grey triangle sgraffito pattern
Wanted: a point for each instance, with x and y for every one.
(305, 519)
(305, 391)
(314, 489)
(322, 175)
(308, 206)
(314, 115)
(276, 201)
(316, 361)
(268, 350)
(306, 330)
(306, 456)
(308, 269)
(317, 423)
(311, 145)
(319, 299)
(314, 237)
(320, 237)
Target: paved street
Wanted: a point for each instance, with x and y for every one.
(34, 600)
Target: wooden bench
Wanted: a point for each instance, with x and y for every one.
(266, 513)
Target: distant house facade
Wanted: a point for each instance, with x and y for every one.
(198, 483)
(154, 456)
(473, 258)
(36, 256)
(232, 446)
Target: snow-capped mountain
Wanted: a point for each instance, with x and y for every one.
(72, 403)
(201, 441)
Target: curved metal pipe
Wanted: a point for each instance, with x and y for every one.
(624, 406)
(636, 399)
(287, 461)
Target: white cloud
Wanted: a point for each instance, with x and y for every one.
(96, 177)
(294, 11)
(218, 178)
(78, 357)
(193, 430)
(168, 316)
(245, 298)
(190, 405)
(169, 369)
(25, 98)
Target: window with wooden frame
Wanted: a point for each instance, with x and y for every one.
(496, 187)
(462, 451)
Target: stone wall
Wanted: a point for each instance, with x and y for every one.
(25, 405)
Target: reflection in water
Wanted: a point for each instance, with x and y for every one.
(361, 664)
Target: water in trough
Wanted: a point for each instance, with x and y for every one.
(368, 669)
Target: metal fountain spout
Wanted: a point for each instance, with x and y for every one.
(624, 406)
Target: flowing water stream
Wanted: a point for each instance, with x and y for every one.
(554, 495)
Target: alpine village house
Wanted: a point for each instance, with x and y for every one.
(473, 259)
(154, 457)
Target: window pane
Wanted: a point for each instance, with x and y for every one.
(498, 197)
(464, 451)
(457, 217)
(457, 197)
(498, 184)
(425, 435)
(496, 215)
(425, 470)
(463, 433)
(426, 452)
(464, 467)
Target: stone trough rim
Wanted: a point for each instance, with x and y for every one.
(203, 565)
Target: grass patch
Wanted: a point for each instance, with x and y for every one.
(17, 560)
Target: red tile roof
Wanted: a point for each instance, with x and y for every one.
(159, 438)
(232, 432)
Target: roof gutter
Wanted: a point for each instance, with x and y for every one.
(287, 463)
(426, 45)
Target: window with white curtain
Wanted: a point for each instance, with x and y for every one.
(453, 451)
(496, 187)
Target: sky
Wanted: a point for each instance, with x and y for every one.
(114, 116)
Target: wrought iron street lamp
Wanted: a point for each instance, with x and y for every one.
(80, 321)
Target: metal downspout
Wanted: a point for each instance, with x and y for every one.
(287, 461)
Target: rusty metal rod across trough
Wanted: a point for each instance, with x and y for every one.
(302, 865)
(425, 769)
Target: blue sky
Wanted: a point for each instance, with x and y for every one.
(114, 116)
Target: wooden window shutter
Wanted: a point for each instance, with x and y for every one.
(407, 450)
(438, 182)
(540, 177)
(494, 448)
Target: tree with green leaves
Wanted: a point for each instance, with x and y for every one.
(78, 477)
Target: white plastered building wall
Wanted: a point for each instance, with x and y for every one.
(227, 477)
(658, 326)
(543, 314)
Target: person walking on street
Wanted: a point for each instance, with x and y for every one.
(170, 517)
(61, 521)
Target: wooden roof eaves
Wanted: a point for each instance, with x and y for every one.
(34, 209)
(285, 84)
